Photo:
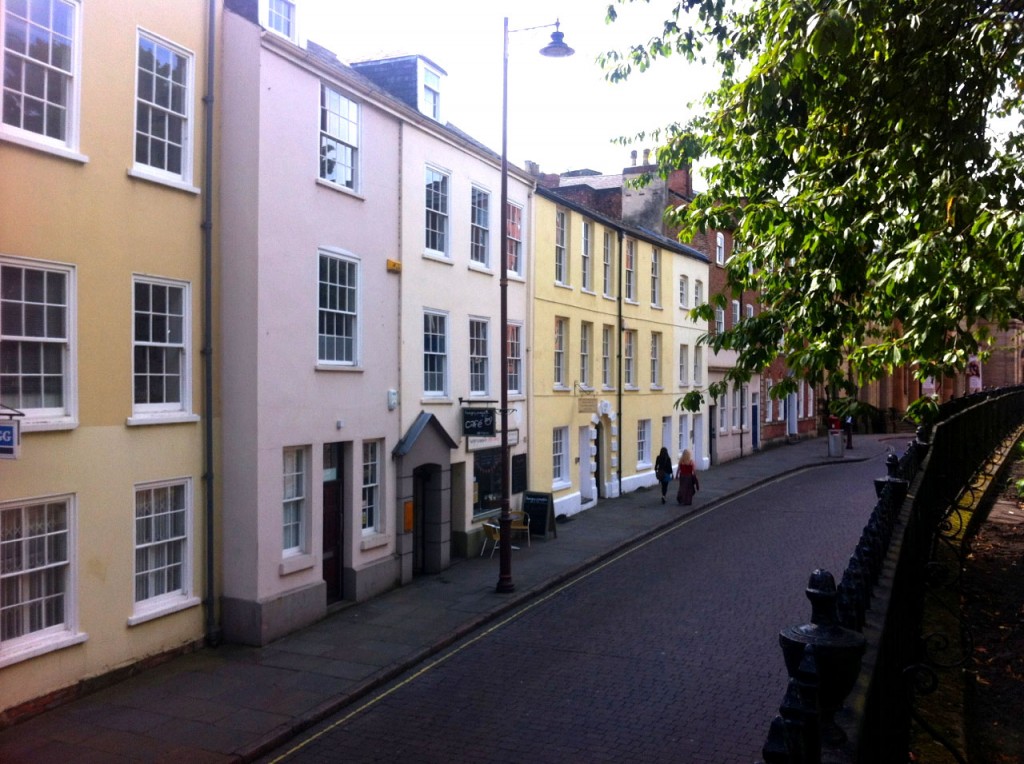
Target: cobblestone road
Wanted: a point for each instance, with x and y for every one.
(667, 653)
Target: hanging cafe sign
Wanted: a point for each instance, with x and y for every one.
(478, 422)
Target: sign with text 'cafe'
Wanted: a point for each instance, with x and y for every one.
(478, 422)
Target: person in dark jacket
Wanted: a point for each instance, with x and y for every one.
(663, 471)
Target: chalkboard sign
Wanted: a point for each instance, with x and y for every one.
(478, 422)
(541, 509)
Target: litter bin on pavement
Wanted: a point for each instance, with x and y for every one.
(835, 443)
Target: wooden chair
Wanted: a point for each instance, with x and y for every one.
(521, 523)
(492, 534)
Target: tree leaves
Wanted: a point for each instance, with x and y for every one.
(854, 159)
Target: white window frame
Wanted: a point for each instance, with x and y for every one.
(630, 271)
(586, 351)
(656, 360)
(430, 92)
(684, 432)
(606, 265)
(743, 407)
(438, 351)
(720, 248)
(698, 364)
(655, 277)
(337, 311)
(769, 402)
(67, 144)
(749, 310)
(560, 352)
(158, 104)
(586, 258)
(559, 457)
(60, 634)
(515, 253)
(41, 418)
(629, 358)
(480, 227)
(295, 501)
(163, 411)
(684, 365)
(340, 123)
(371, 487)
(158, 540)
(437, 213)
(643, 443)
(698, 293)
(684, 291)
(606, 357)
(735, 312)
(723, 413)
(514, 372)
(735, 407)
(561, 248)
(719, 320)
(270, 18)
(479, 356)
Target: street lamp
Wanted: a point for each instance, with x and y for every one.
(554, 49)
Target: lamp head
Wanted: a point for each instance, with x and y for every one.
(556, 48)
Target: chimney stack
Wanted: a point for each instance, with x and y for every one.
(632, 155)
(647, 154)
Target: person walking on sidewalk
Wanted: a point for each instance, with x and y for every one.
(687, 476)
(663, 471)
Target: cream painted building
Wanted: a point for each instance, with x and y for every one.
(610, 344)
(103, 514)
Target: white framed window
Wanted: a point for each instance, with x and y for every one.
(749, 310)
(643, 443)
(37, 342)
(431, 94)
(161, 347)
(163, 556)
(559, 456)
(630, 268)
(606, 265)
(684, 292)
(163, 110)
(480, 227)
(561, 346)
(629, 357)
(479, 357)
(743, 406)
(514, 372)
(41, 61)
(768, 402)
(38, 609)
(339, 139)
(561, 261)
(684, 364)
(435, 354)
(280, 18)
(586, 259)
(586, 342)
(338, 312)
(698, 293)
(723, 413)
(720, 248)
(735, 407)
(719, 320)
(655, 359)
(606, 356)
(514, 253)
(698, 365)
(295, 517)
(735, 312)
(436, 224)
(655, 276)
(371, 487)
(684, 433)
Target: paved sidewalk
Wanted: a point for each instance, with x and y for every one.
(235, 703)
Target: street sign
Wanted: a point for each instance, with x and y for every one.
(478, 422)
(10, 439)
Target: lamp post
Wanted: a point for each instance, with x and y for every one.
(554, 49)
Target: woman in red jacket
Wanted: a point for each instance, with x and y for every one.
(687, 475)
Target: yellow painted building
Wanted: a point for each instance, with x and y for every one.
(102, 193)
(607, 337)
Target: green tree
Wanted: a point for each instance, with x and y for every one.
(850, 147)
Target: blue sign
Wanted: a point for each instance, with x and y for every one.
(9, 440)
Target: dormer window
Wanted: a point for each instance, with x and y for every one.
(280, 18)
(431, 105)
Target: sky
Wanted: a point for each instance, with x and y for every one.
(563, 114)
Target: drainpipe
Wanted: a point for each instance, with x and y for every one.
(618, 396)
(212, 627)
